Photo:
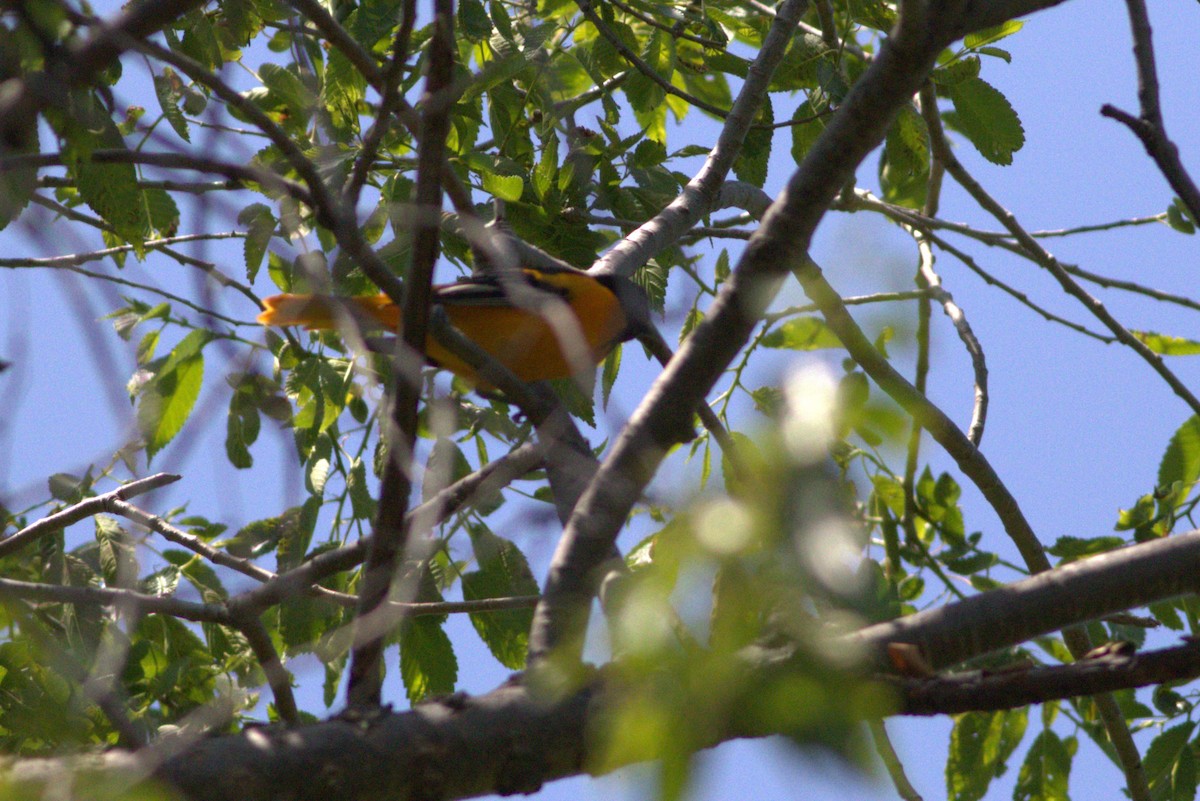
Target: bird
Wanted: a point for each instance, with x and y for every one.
(608, 309)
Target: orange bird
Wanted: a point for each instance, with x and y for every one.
(608, 309)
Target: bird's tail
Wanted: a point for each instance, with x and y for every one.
(325, 311)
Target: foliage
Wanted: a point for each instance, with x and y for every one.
(578, 121)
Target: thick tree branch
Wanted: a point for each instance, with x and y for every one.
(391, 531)
(512, 741)
(84, 509)
(667, 409)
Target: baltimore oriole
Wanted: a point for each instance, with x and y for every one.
(608, 308)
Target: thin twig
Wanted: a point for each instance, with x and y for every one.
(278, 677)
(1047, 261)
(891, 761)
(1076, 640)
(83, 509)
(391, 532)
(589, 537)
(1149, 127)
(633, 58)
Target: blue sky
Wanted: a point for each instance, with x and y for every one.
(1076, 427)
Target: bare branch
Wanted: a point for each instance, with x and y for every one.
(83, 509)
(1149, 126)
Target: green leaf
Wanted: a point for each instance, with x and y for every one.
(751, 162)
(199, 574)
(427, 662)
(504, 187)
(608, 375)
(993, 34)
(1164, 751)
(807, 125)
(1072, 548)
(577, 402)
(111, 190)
(70, 489)
(985, 117)
(241, 430)
(1181, 460)
(1180, 217)
(980, 745)
(362, 505)
(167, 401)
(446, 464)
(343, 89)
(957, 71)
(503, 573)
(1045, 771)
(294, 533)
(1166, 344)
(260, 226)
(473, 20)
(802, 333)
(1141, 513)
(169, 89)
(1184, 776)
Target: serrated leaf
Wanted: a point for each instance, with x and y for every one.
(427, 662)
(343, 89)
(1181, 460)
(693, 319)
(473, 20)
(241, 429)
(992, 34)
(446, 464)
(802, 333)
(161, 582)
(168, 88)
(608, 375)
(1164, 750)
(504, 187)
(1045, 771)
(985, 117)
(199, 574)
(68, 488)
(362, 505)
(503, 573)
(575, 400)
(316, 476)
(980, 745)
(260, 226)
(294, 533)
(751, 162)
(1141, 513)
(1071, 548)
(957, 71)
(167, 402)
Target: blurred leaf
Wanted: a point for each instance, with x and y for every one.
(1180, 217)
(1164, 751)
(802, 333)
(1166, 344)
(1045, 771)
(1071, 548)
